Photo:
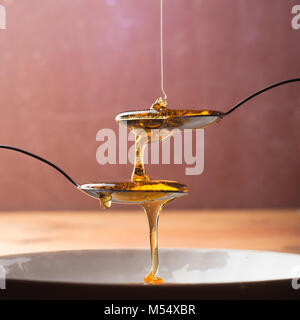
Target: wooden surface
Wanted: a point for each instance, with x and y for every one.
(276, 230)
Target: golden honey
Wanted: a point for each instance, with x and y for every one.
(160, 117)
(148, 126)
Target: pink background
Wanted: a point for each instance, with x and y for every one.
(68, 67)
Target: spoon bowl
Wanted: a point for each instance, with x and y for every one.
(169, 119)
(137, 192)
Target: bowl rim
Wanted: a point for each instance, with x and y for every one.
(142, 284)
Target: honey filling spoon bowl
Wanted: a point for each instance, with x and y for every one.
(134, 192)
(162, 118)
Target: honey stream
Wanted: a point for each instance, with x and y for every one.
(151, 194)
(151, 208)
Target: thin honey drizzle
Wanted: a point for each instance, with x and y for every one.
(141, 140)
(152, 210)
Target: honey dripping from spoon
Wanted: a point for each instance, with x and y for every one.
(152, 210)
(105, 200)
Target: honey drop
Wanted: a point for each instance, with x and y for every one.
(105, 200)
(150, 279)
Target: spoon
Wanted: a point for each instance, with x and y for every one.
(159, 117)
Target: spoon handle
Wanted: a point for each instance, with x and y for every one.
(259, 92)
(43, 160)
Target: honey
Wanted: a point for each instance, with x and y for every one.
(159, 117)
(134, 192)
(105, 200)
(149, 126)
(152, 195)
(153, 209)
(141, 140)
(154, 124)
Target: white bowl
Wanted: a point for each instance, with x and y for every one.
(119, 273)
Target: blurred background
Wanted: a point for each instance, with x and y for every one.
(68, 67)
